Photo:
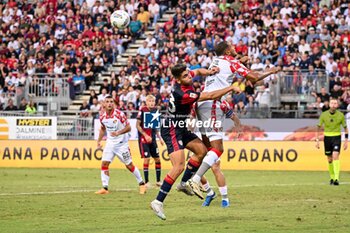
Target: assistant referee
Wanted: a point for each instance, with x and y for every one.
(332, 121)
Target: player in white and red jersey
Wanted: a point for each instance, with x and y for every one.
(216, 110)
(117, 126)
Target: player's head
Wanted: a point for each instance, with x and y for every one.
(224, 48)
(333, 104)
(109, 103)
(150, 101)
(181, 74)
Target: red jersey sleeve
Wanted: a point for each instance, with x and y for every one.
(190, 97)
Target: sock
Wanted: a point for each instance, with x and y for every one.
(137, 175)
(208, 189)
(336, 167)
(145, 171)
(206, 186)
(331, 170)
(223, 192)
(212, 157)
(105, 177)
(158, 170)
(165, 188)
(191, 168)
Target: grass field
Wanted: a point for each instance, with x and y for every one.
(63, 200)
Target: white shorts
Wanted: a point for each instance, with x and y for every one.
(210, 111)
(121, 150)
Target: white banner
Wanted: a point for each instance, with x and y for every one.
(28, 128)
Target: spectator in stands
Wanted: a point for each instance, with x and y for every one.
(31, 109)
(105, 85)
(11, 106)
(144, 50)
(95, 107)
(101, 97)
(92, 96)
(135, 27)
(166, 88)
(144, 17)
(79, 81)
(23, 104)
(154, 10)
(89, 75)
(85, 110)
(239, 96)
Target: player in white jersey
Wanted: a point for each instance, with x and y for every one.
(117, 126)
(213, 110)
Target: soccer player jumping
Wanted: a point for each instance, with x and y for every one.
(176, 135)
(332, 120)
(117, 126)
(211, 109)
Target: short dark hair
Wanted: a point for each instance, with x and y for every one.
(177, 70)
(108, 97)
(221, 48)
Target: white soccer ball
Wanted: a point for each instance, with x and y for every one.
(120, 19)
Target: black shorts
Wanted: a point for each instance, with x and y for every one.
(177, 138)
(149, 149)
(332, 144)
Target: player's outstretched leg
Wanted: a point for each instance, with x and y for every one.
(211, 195)
(138, 177)
(209, 160)
(178, 161)
(104, 178)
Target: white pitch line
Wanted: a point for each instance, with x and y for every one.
(58, 192)
(133, 189)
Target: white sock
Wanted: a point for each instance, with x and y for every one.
(137, 174)
(104, 178)
(223, 192)
(206, 186)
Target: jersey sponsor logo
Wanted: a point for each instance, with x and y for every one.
(193, 95)
(151, 120)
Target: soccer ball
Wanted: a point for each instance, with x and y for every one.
(120, 19)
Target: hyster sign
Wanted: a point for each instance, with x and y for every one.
(238, 155)
(31, 128)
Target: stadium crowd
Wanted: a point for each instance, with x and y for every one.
(308, 39)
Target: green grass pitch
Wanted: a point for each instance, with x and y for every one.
(63, 200)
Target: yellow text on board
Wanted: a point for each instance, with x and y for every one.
(258, 155)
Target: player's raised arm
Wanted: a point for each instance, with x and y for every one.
(256, 76)
(216, 94)
(205, 72)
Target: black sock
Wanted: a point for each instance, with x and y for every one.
(165, 188)
(158, 171)
(145, 171)
(191, 168)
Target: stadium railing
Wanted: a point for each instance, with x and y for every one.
(302, 82)
(75, 128)
(52, 90)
